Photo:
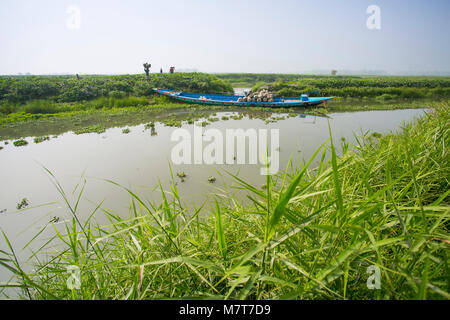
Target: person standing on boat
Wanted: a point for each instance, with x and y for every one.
(172, 69)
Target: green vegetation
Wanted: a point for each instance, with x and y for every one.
(27, 97)
(149, 125)
(96, 129)
(251, 79)
(23, 97)
(41, 139)
(23, 125)
(20, 143)
(353, 104)
(22, 204)
(20, 89)
(310, 233)
(237, 117)
(327, 81)
(16, 126)
(172, 122)
(43, 105)
(126, 130)
(181, 174)
(382, 88)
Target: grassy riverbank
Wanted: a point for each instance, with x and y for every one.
(309, 233)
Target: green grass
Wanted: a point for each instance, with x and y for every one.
(309, 233)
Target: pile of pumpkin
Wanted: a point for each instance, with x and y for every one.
(262, 96)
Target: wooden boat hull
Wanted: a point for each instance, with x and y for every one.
(232, 100)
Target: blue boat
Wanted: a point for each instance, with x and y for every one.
(233, 100)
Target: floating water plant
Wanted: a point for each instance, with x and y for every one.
(149, 125)
(212, 179)
(41, 139)
(181, 175)
(19, 143)
(126, 130)
(172, 123)
(96, 129)
(23, 204)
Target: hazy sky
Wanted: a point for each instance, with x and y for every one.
(116, 36)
